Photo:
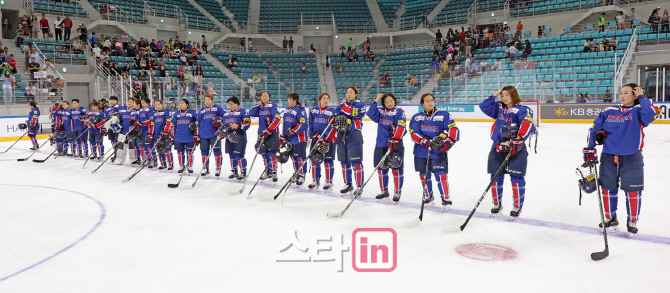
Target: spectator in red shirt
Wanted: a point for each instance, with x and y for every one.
(44, 25)
(12, 63)
(519, 29)
(67, 27)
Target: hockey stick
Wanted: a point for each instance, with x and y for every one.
(64, 149)
(103, 155)
(15, 142)
(181, 176)
(35, 151)
(144, 164)
(246, 178)
(360, 190)
(502, 166)
(602, 254)
(416, 222)
(207, 160)
(290, 181)
(109, 156)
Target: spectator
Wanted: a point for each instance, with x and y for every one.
(285, 45)
(654, 20)
(582, 98)
(5, 67)
(343, 52)
(34, 54)
(527, 50)
(424, 19)
(12, 63)
(3, 58)
(112, 8)
(233, 61)
(20, 35)
(613, 44)
(665, 22)
(7, 86)
(33, 67)
(355, 57)
(67, 27)
(621, 20)
(349, 44)
(247, 92)
(512, 53)
(413, 81)
(605, 44)
(96, 51)
(539, 31)
(290, 45)
(519, 29)
(608, 97)
(408, 79)
(367, 56)
(34, 25)
(484, 65)
(49, 68)
(350, 56)
(44, 25)
(438, 36)
(31, 91)
(6, 27)
(83, 31)
(436, 48)
(372, 56)
(107, 44)
(303, 68)
(339, 68)
(497, 65)
(311, 50)
(633, 17)
(327, 61)
(601, 22)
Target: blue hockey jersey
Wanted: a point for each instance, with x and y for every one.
(205, 116)
(295, 118)
(319, 121)
(158, 121)
(265, 113)
(391, 123)
(124, 118)
(519, 114)
(353, 110)
(179, 123)
(63, 117)
(239, 117)
(431, 126)
(624, 127)
(77, 116)
(109, 112)
(96, 128)
(33, 118)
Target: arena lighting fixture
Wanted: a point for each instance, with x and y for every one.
(505, 22)
(493, 14)
(64, 69)
(317, 27)
(161, 20)
(336, 37)
(189, 33)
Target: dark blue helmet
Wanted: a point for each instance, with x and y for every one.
(509, 130)
(23, 126)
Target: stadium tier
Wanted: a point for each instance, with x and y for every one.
(349, 15)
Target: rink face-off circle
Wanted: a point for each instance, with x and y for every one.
(486, 252)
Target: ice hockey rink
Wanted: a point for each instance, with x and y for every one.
(63, 229)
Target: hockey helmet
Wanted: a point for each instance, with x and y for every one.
(59, 134)
(342, 123)
(23, 126)
(396, 160)
(94, 120)
(317, 158)
(324, 148)
(217, 121)
(509, 130)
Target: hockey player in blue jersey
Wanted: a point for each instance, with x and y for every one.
(121, 152)
(207, 130)
(238, 121)
(434, 131)
(144, 118)
(349, 121)
(620, 130)
(320, 118)
(94, 121)
(183, 132)
(33, 124)
(78, 115)
(268, 121)
(136, 141)
(513, 124)
(64, 123)
(159, 119)
(391, 124)
(112, 110)
(295, 133)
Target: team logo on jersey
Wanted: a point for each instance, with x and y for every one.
(402, 123)
(420, 118)
(438, 118)
(619, 118)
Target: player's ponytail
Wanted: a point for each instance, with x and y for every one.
(34, 105)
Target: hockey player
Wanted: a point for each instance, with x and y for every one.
(33, 124)
(64, 123)
(513, 125)
(207, 117)
(124, 118)
(268, 121)
(295, 133)
(434, 131)
(52, 117)
(95, 120)
(157, 130)
(319, 123)
(144, 118)
(183, 132)
(136, 142)
(390, 131)
(238, 121)
(112, 110)
(78, 114)
(349, 121)
(619, 130)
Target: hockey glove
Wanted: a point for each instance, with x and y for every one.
(590, 156)
(266, 133)
(600, 137)
(60, 127)
(53, 128)
(290, 132)
(104, 131)
(425, 142)
(516, 145)
(444, 145)
(31, 132)
(393, 144)
(196, 140)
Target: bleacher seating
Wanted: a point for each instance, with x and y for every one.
(214, 8)
(358, 74)
(350, 15)
(414, 9)
(239, 8)
(288, 66)
(455, 12)
(56, 51)
(250, 64)
(402, 62)
(53, 7)
(546, 6)
(197, 20)
(388, 9)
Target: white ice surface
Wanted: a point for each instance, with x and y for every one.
(156, 239)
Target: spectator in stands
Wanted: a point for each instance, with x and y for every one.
(31, 91)
(539, 31)
(33, 67)
(613, 44)
(343, 52)
(183, 59)
(602, 22)
(620, 20)
(512, 53)
(608, 97)
(198, 70)
(8, 81)
(633, 17)
(290, 45)
(49, 68)
(152, 46)
(103, 10)
(5, 67)
(233, 61)
(497, 65)
(665, 22)
(34, 54)
(83, 31)
(44, 26)
(247, 92)
(408, 79)
(582, 98)
(6, 26)
(303, 68)
(34, 26)
(20, 35)
(12, 63)
(349, 44)
(112, 8)
(311, 50)
(350, 56)
(67, 27)
(605, 44)
(424, 17)
(366, 57)
(355, 57)
(484, 66)
(327, 61)
(519, 29)
(3, 58)
(189, 47)
(372, 56)
(107, 44)
(654, 21)
(438, 36)
(284, 45)
(528, 49)
(414, 81)
(339, 68)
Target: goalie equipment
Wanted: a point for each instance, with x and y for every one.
(217, 121)
(509, 130)
(111, 121)
(116, 128)
(395, 160)
(23, 126)
(342, 124)
(121, 150)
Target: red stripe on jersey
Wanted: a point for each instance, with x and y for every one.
(273, 125)
(416, 138)
(346, 109)
(525, 126)
(641, 136)
(493, 128)
(453, 133)
(398, 132)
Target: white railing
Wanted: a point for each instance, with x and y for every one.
(30, 5)
(506, 9)
(472, 14)
(620, 72)
(149, 13)
(60, 94)
(182, 17)
(116, 85)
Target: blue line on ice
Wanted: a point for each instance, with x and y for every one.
(103, 213)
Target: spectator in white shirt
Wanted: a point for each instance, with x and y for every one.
(512, 53)
(96, 51)
(49, 68)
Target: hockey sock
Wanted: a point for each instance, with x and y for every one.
(358, 170)
(34, 141)
(161, 158)
(425, 180)
(243, 163)
(316, 172)
(383, 178)
(218, 161)
(610, 201)
(329, 167)
(346, 172)
(180, 156)
(101, 147)
(296, 164)
(137, 152)
(398, 179)
(168, 156)
(442, 183)
(234, 162)
(519, 190)
(497, 189)
(190, 158)
(303, 170)
(633, 205)
(274, 162)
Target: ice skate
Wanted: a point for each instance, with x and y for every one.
(632, 229)
(328, 186)
(611, 224)
(300, 180)
(515, 213)
(347, 188)
(241, 175)
(274, 177)
(396, 197)
(495, 211)
(446, 204)
(383, 196)
(233, 174)
(181, 170)
(314, 184)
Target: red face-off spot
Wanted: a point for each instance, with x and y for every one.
(486, 251)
